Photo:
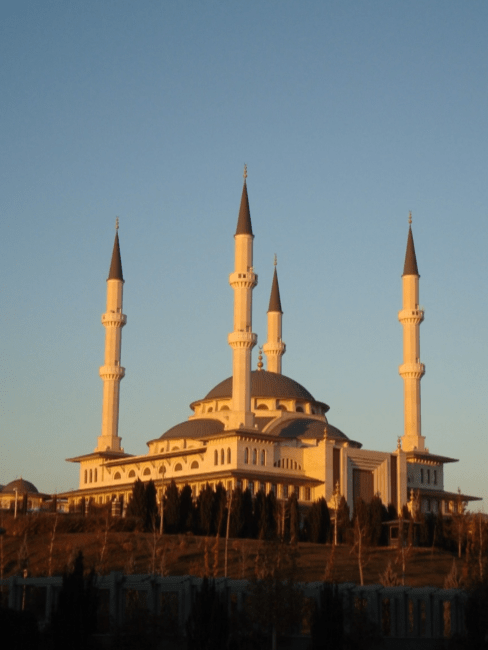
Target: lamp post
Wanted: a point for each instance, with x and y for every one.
(161, 526)
(336, 506)
(229, 507)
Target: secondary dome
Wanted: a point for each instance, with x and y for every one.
(265, 384)
(194, 429)
(22, 487)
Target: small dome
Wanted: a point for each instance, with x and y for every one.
(22, 487)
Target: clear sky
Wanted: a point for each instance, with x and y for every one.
(348, 115)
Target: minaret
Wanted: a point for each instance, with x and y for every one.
(411, 370)
(274, 348)
(242, 339)
(112, 372)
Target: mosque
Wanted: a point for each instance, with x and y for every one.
(259, 429)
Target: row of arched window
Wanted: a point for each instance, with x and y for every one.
(254, 455)
(147, 472)
(222, 455)
(91, 476)
(287, 463)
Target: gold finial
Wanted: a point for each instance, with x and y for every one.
(116, 223)
(245, 172)
(399, 443)
(410, 218)
(275, 260)
(260, 359)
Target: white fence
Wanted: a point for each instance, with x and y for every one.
(397, 612)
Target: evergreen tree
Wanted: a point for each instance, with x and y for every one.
(137, 502)
(236, 516)
(293, 518)
(186, 509)
(205, 509)
(377, 515)
(271, 509)
(151, 506)
(248, 526)
(317, 522)
(219, 506)
(260, 514)
(343, 521)
(172, 508)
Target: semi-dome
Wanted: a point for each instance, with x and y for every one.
(194, 429)
(266, 384)
(22, 487)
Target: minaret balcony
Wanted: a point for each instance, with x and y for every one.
(274, 348)
(412, 316)
(114, 318)
(242, 339)
(247, 280)
(113, 373)
(412, 370)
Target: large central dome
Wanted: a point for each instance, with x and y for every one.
(265, 384)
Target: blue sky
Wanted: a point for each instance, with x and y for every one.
(348, 115)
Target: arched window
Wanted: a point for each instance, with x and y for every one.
(263, 407)
(216, 457)
(132, 474)
(86, 476)
(146, 472)
(282, 407)
(96, 474)
(162, 470)
(246, 455)
(254, 456)
(222, 456)
(228, 455)
(91, 476)
(117, 475)
(194, 465)
(263, 457)
(295, 465)
(178, 467)
(299, 409)
(225, 408)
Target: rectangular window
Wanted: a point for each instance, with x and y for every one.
(435, 477)
(274, 488)
(428, 476)
(285, 492)
(421, 475)
(239, 484)
(250, 487)
(307, 494)
(262, 487)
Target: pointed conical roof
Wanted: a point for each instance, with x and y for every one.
(244, 226)
(410, 267)
(274, 299)
(115, 272)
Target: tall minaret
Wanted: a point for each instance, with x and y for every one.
(411, 370)
(242, 339)
(112, 372)
(274, 348)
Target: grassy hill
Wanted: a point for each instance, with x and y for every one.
(47, 545)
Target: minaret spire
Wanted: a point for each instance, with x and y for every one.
(112, 372)
(242, 340)
(274, 348)
(412, 370)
